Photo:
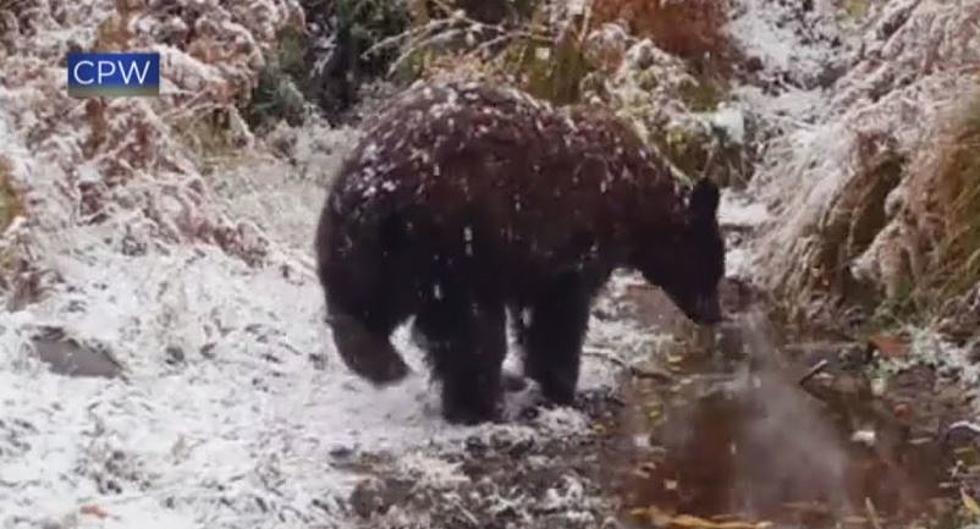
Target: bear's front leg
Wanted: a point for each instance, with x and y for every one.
(553, 339)
(466, 342)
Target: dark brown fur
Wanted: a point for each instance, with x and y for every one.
(464, 199)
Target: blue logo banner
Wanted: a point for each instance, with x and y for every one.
(113, 74)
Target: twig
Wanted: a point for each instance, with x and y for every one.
(633, 370)
(872, 513)
(814, 371)
(972, 427)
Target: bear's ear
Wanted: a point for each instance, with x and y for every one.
(704, 200)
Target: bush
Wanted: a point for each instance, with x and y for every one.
(691, 29)
(342, 51)
(941, 229)
(276, 96)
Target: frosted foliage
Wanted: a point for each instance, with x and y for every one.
(908, 74)
(122, 163)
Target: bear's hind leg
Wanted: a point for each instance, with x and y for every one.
(553, 339)
(466, 341)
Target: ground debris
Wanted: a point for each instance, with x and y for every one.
(659, 518)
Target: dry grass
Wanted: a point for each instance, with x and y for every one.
(942, 238)
(10, 202)
(958, 194)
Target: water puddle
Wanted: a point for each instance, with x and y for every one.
(732, 439)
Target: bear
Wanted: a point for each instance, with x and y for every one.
(464, 201)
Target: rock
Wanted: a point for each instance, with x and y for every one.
(174, 355)
(66, 355)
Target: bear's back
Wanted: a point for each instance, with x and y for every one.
(451, 145)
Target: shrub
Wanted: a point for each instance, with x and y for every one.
(691, 29)
(278, 95)
(549, 70)
(342, 52)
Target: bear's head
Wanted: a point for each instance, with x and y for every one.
(689, 262)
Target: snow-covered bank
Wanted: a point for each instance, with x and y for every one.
(847, 174)
(854, 106)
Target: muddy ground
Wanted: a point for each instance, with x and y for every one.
(755, 425)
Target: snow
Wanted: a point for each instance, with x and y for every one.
(731, 120)
(785, 36)
(739, 210)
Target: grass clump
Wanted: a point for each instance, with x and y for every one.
(944, 229)
(276, 96)
(958, 252)
(11, 205)
(551, 70)
(327, 64)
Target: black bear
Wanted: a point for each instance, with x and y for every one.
(465, 200)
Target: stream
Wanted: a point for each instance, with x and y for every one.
(754, 425)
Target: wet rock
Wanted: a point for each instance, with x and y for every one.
(173, 355)
(342, 452)
(207, 350)
(319, 361)
(753, 64)
(475, 445)
(67, 355)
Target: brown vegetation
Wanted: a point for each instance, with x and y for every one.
(930, 254)
(10, 202)
(691, 29)
(947, 213)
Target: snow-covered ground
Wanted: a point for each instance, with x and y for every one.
(230, 399)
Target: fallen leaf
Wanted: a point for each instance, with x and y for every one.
(686, 520)
(652, 514)
(658, 517)
(94, 510)
(970, 503)
(869, 506)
